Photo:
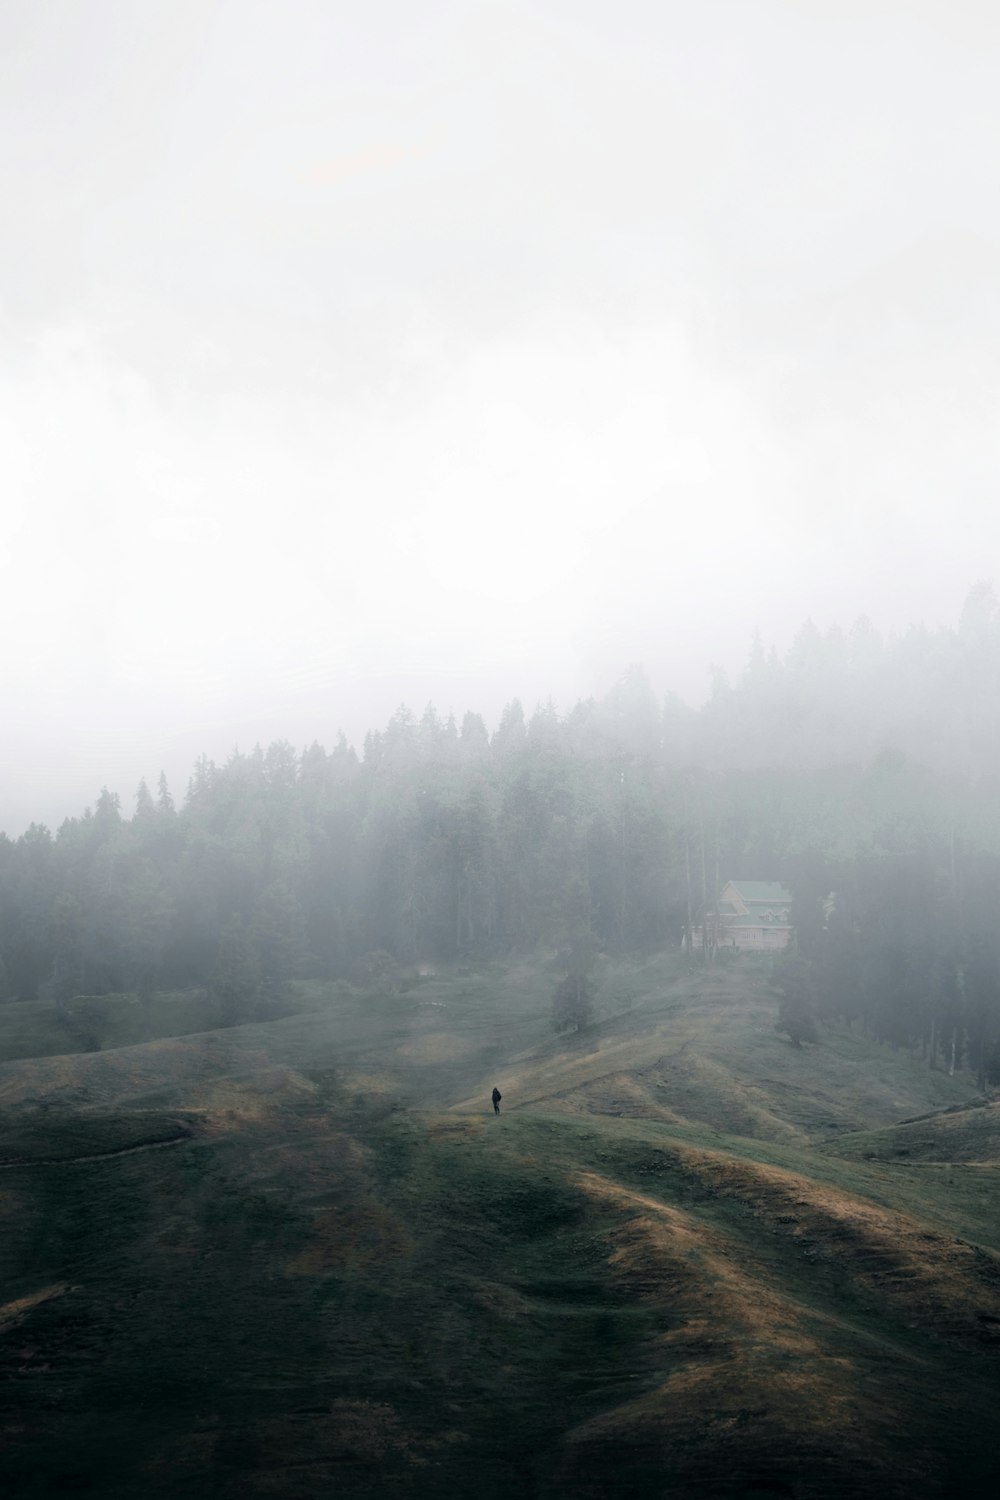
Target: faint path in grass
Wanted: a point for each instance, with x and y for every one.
(73, 1161)
(13, 1312)
(658, 1063)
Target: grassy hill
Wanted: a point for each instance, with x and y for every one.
(301, 1256)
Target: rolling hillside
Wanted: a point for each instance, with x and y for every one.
(302, 1257)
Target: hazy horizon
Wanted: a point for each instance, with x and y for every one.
(240, 736)
(353, 358)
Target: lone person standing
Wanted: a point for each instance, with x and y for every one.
(497, 1096)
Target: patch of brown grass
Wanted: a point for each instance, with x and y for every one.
(363, 1431)
(104, 1078)
(969, 1136)
(356, 1235)
(228, 1102)
(661, 1249)
(934, 1281)
(558, 1080)
(294, 1453)
(13, 1312)
(654, 1073)
(445, 1128)
(621, 1093)
(502, 1301)
(748, 1371)
(435, 1047)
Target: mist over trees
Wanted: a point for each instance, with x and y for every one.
(853, 765)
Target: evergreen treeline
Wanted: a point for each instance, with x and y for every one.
(903, 940)
(854, 765)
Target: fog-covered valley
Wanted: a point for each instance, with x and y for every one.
(499, 794)
(732, 1228)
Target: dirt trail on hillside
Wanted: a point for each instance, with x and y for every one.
(75, 1161)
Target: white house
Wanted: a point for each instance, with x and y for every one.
(753, 914)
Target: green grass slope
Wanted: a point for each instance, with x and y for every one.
(91, 1023)
(966, 1135)
(302, 1257)
(702, 1048)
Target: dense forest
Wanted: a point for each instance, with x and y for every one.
(863, 772)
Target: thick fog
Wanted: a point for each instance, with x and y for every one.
(360, 354)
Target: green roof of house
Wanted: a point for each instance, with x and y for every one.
(756, 921)
(762, 890)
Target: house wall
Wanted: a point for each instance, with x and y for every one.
(771, 938)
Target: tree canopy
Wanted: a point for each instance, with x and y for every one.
(853, 765)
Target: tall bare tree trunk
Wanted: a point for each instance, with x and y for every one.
(689, 930)
(622, 901)
(704, 887)
(716, 931)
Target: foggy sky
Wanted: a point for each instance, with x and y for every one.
(358, 354)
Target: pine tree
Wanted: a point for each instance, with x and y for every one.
(145, 808)
(236, 978)
(164, 801)
(794, 982)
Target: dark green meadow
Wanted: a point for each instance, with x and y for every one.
(237, 1315)
(302, 1257)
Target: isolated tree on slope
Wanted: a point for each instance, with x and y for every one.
(794, 982)
(278, 931)
(573, 1000)
(236, 980)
